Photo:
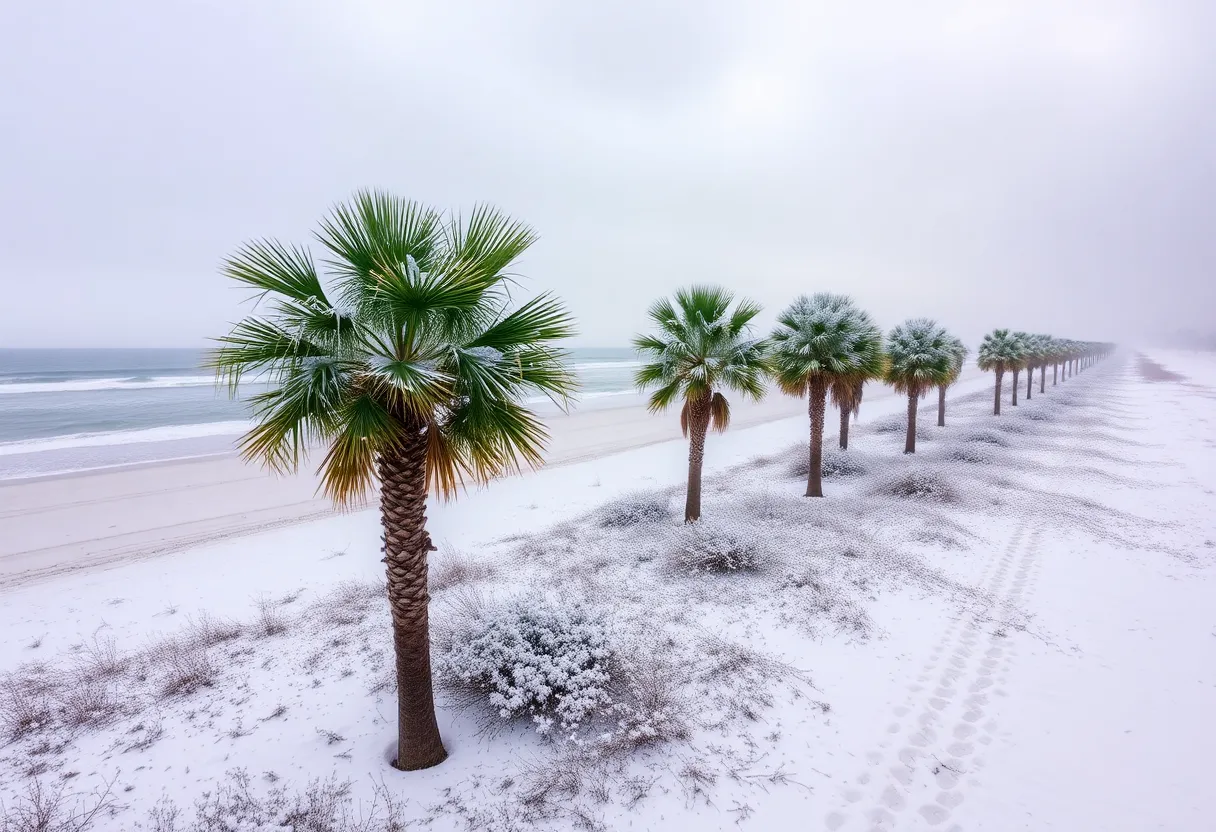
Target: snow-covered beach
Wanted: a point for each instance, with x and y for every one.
(1010, 630)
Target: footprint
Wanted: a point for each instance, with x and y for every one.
(964, 731)
(852, 795)
(892, 799)
(934, 814)
(835, 820)
(951, 800)
(960, 749)
(893, 728)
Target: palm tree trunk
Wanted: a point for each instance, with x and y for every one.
(406, 546)
(845, 414)
(1043, 379)
(910, 441)
(1029, 382)
(941, 405)
(996, 406)
(816, 405)
(698, 425)
(1055, 374)
(1015, 387)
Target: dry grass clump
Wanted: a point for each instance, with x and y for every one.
(53, 809)
(454, 568)
(181, 665)
(25, 702)
(269, 620)
(210, 631)
(323, 806)
(716, 546)
(636, 509)
(349, 603)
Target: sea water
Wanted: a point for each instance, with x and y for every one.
(75, 409)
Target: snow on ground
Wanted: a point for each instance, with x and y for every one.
(1012, 629)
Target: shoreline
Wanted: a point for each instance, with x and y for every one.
(101, 518)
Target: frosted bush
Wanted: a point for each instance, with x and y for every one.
(836, 463)
(635, 510)
(537, 659)
(713, 546)
(920, 484)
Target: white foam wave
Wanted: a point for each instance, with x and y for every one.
(122, 437)
(86, 385)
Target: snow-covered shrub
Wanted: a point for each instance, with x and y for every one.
(536, 658)
(919, 484)
(636, 509)
(987, 436)
(899, 424)
(714, 546)
(836, 463)
(973, 454)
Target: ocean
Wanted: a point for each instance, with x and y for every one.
(68, 410)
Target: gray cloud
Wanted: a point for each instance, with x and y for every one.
(1036, 164)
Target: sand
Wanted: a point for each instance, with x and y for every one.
(74, 521)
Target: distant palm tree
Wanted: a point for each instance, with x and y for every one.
(825, 343)
(1046, 357)
(1000, 351)
(406, 361)
(701, 348)
(1036, 356)
(958, 355)
(920, 356)
(1023, 339)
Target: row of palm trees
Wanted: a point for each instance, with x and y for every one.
(823, 346)
(402, 354)
(1003, 351)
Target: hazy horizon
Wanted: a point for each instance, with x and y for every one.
(1016, 164)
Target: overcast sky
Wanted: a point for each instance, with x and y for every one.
(1047, 165)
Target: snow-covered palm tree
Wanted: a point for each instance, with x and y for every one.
(958, 353)
(1000, 351)
(407, 361)
(920, 356)
(701, 347)
(1024, 341)
(825, 343)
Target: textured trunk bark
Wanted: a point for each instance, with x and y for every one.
(1055, 374)
(698, 425)
(816, 406)
(1029, 382)
(910, 440)
(1043, 379)
(1015, 387)
(845, 414)
(996, 406)
(406, 546)
(941, 405)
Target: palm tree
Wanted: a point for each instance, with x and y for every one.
(1023, 339)
(1036, 355)
(825, 343)
(404, 358)
(920, 356)
(958, 355)
(1000, 351)
(701, 348)
(1047, 353)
